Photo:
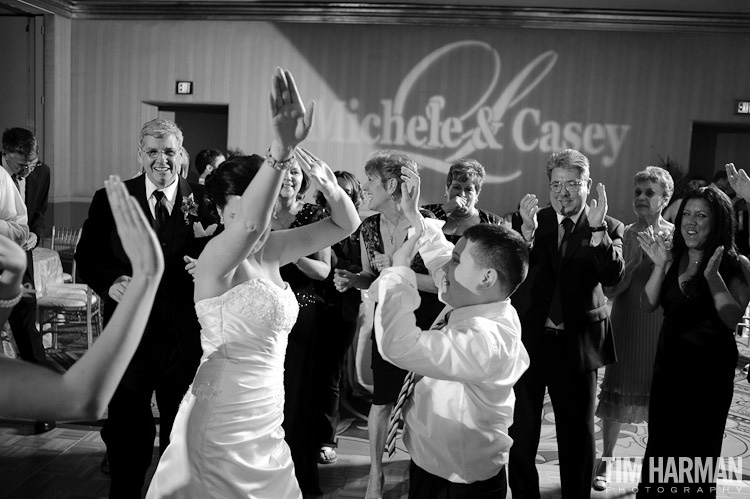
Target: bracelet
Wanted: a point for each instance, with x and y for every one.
(12, 302)
(279, 165)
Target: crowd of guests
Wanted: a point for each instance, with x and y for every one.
(235, 301)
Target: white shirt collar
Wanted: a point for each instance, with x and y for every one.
(573, 217)
(170, 191)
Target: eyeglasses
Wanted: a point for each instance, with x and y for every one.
(571, 186)
(154, 153)
(25, 167)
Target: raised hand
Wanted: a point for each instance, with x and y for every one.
(712, 267)
(410, 190)
(598, 208)
(655, 246)
(739, 181)
(320, 173)
(138, 239)
(528, 208)
(290, 121)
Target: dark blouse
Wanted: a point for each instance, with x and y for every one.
(297, 279)
(485, 217)
(370, 233)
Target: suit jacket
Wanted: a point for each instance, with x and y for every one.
(582, 270)
(37, 194)
(101, 259)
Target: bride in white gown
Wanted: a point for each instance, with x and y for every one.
(227, 439)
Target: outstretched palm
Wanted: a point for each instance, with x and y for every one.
(290, 121)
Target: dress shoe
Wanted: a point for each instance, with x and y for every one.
(43, 426)
(104, 466)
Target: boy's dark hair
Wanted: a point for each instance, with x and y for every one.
(502, 249)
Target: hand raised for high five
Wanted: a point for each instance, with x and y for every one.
(290, 121)
(739, 181)
(138, 239)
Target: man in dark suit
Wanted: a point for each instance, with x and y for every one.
(169, 353)
(32, 177)
(576, 249)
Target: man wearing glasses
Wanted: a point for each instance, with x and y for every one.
(23, 202)
(170, 351)
(576, 249)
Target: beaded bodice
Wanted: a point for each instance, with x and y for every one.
(253, 317)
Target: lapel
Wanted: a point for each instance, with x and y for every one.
(576, 239)
(32, 187)
(138, 190)
(177, 232)
(548, 233)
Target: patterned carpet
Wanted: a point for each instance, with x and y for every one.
(632, 442)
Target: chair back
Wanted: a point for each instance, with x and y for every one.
(64, 241)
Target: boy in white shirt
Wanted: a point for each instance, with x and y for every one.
(457, 419)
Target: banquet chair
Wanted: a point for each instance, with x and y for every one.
(68, 306)
(64, 241)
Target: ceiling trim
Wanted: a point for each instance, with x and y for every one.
(396, 14)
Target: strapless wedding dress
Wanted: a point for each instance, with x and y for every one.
(227, 439)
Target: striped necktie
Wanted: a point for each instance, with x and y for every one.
(407, 388)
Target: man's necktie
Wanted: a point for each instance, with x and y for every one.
(407, 388)
(555, 309)
(161, 213)
(396, 415)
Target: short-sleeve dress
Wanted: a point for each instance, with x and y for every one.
(387, 378)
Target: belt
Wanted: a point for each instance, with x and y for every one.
(553, 332)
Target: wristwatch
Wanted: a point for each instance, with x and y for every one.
(601, 228)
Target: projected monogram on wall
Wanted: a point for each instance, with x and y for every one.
(496, 120)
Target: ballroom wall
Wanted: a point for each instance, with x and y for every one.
(506, 97)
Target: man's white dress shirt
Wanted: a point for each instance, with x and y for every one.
(14, 219)
(457, 419)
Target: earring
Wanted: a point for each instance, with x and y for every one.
(221, 219)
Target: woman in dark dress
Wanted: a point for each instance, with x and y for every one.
(462, 188)
(701, 287)
(337, 324)
(291, 211)
(380, 236)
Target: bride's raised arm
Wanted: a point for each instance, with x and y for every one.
(292, 244)
(251, 214)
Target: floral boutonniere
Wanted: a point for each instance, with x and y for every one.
(189, 208)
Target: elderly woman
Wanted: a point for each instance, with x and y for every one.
(625, 389)
(701, 287)
(380, 236)
(291, 211)
(462, 188)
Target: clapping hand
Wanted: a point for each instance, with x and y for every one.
(290, 121)
(138, 239)
(528, 208)
(598, 207)
(343, 280)
(382, 261)
(739, 181)
(656, 246)
(712, 267)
